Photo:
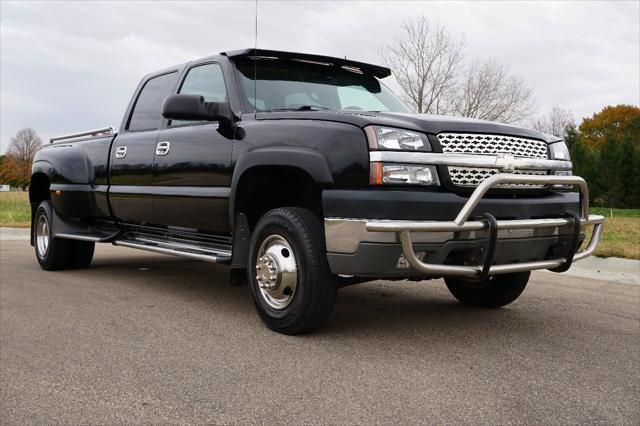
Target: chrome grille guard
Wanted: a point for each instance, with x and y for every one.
(461, 223)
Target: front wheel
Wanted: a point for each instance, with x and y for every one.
(291, 283)
(493, 292)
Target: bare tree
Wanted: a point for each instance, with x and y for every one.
(425, 59)
(488, 92)
(24, 145)
(556, 122)
(16, 167)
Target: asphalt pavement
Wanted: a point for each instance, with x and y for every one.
(145, 338)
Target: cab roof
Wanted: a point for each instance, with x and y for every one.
(376, 70)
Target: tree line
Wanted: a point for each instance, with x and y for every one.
(605, 150)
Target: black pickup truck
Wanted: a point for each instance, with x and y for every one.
(305, 173)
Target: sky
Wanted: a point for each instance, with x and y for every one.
(72, 66)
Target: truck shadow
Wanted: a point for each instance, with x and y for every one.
(381, 307)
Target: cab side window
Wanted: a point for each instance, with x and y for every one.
(147, 112)
(206, 81)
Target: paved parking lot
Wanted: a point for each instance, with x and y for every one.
(150, 338)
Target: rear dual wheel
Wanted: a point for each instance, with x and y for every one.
(57, 253)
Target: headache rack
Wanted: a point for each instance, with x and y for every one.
(492, 225)
(104, 131)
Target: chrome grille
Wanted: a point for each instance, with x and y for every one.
(477, 143)
(471, 177)
(484, 144)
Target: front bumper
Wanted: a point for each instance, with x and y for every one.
(473, 248)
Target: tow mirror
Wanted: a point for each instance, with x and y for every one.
(193, 107)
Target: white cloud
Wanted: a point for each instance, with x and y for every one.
(67, 66)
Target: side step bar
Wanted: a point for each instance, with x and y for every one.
(181, 250)
(93, 234)
(97, 237)
(208, 248)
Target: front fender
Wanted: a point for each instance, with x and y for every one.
(308, 160)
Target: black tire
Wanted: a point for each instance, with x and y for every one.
(494, 292)
(311, 302)
(81, 254)
(59, 253)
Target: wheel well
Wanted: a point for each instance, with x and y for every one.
(38, 190)
(263, 188)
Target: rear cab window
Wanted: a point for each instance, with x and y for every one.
(147, 112)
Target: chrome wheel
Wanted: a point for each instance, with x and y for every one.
(276, 272)
(42, 236)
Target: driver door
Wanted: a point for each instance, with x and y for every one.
(192, 166)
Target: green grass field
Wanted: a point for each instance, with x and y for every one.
(621, 236)
(14, 209)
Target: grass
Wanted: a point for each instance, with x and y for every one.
(620, 238)
(15, 210)
(621, 234)
(608, 213)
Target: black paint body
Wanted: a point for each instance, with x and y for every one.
(195, 185)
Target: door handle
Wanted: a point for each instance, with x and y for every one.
(121, 151)
(163, 148)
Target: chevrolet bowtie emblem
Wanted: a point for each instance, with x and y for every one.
(506, 162)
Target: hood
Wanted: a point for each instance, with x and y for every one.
(426, 123)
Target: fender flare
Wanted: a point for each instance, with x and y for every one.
(44, 167)
(64, 164)
(305, 159)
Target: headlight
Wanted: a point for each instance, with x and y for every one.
(380, 137)
(403, 174)
(559, 151)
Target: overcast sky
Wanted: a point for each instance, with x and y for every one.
(72, 66)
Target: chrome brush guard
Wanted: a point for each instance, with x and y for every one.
(489, 223)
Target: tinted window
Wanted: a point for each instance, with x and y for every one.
(147, 113)
(206, 81)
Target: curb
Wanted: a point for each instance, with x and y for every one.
(14, 234)
(611, 269)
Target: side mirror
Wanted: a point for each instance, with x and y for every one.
(193, 107)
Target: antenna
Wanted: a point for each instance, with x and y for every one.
(255, 66)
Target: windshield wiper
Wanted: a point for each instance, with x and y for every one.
(300, 108)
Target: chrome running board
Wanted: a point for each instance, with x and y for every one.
(96, 237)
(181, 250)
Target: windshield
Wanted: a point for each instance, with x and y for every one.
(301, 85)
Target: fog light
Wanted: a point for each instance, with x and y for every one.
(404, 264)
(563, 173)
